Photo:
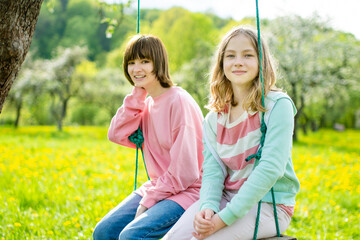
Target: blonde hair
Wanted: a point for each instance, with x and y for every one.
(221, 92)
(149, 47)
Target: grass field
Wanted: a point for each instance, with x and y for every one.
(58, 185)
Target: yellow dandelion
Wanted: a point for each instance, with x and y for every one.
(67, 223)
(17, 224)
(98, 219)
(50, 232)
(332, 202)
(78, 225)
(12, 199)
(77, 198)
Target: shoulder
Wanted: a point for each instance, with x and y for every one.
(210, 122)
(275, 96)
(182, 104)
(181, 96)
(178, 98)
(280, 99)
(180, 92)
(211, 118)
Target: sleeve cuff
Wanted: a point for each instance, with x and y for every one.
(147, 202)
(209, 206)
(227, 216)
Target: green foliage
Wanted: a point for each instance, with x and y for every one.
(84, 114)
(324, 84)
(39, 112)
(114, 88)
(77, 22)
(318, 80)
(48, 32)
(114, 58)
(81, 8)
(185, 43)
(193, 77)
(81, 35)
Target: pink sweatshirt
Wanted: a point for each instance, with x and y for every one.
(172, 129)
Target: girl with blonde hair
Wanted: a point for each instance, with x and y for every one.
(233, 184)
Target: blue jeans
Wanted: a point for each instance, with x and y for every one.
(120, 224)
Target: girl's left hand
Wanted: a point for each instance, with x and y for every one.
(218, 224)
(140, 210)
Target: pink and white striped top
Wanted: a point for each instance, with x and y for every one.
(235, 142)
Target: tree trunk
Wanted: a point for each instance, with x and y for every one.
(63, 113)
(295, 135)
(295, 99)
(17, 24)
(18, 113)
(59, 124)
(314, 126)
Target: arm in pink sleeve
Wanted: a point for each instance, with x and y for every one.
(127, 118)
(186, 160)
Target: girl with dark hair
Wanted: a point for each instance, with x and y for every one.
(171, 122)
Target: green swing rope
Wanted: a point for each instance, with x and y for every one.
(137, 137)
(138, 18)
(263, 129)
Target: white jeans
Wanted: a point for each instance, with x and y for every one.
(241, 229)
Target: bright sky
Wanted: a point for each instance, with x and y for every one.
(343, 15)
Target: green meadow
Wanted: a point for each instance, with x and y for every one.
(58, 185)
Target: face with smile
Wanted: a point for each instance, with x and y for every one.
(240, 62)
(141, 73)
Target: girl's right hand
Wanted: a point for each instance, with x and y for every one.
(202, 222)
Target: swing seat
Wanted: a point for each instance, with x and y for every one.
(282, 237)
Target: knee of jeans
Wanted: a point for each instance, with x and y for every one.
(127, 234)
(101, 231)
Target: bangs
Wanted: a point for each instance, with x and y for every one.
(138, 50)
